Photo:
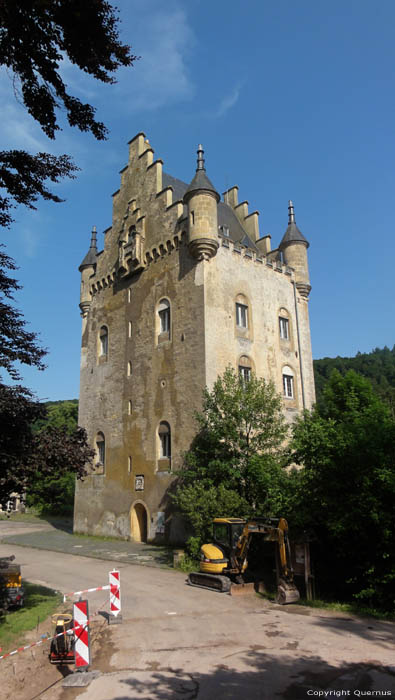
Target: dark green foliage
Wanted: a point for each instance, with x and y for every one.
(346, 493)
(23, 177)
(235, 466)
(35, 38)
(378, 366)
(16, 344)
(44, 462)
(59, 414)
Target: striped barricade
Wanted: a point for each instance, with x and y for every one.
(81, 635)
(115, 593)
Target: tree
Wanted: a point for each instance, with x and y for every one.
(16, 344)
(236, 462)
(347, 490)
(59, 414)
(37, 462)
(35, 37)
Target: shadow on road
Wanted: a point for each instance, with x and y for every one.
(265, 680)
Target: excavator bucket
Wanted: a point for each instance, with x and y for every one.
(286, 593)
(242, 588)
(247, 588)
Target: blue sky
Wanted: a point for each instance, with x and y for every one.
(291, 100)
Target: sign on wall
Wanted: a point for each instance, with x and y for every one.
(139, 482)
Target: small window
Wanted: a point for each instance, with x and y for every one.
(100, 452)
(163, 321)
(245, 369)
(129, 369)
(284, 328)
(164, 441)
(129, 464)
(241, 315)
(130, 329)
(129, 296)
(164, 316)
(130, 409)
(103, 341)
(288, 383)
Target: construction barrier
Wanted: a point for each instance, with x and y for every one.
(115, 605)
(81, 635)
(87, 590)
(115, 593)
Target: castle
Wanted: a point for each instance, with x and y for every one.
(184, 287)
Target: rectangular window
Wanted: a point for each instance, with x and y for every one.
(165, 451)
(242, 315)
(164, 317)
(129, 465)
(245, 374)
(284, 328)
(288, 386)
(101, 451)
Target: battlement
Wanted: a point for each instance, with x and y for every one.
(250, 222)
(247, 254)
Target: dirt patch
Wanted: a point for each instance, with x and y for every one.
(28, 674)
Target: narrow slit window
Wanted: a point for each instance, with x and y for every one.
(164, 441)
(103, 341)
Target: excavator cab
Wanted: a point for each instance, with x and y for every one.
(227, 532)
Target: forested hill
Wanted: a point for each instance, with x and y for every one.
(378, 366)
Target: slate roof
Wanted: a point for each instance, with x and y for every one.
(90, 257)
(226, 215)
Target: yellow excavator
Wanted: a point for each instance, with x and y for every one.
(224, 561)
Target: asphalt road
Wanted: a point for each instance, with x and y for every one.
(181, 642)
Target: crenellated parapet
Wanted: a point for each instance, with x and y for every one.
(250, 222)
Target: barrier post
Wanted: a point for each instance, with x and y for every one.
(81, 635)
(115, 598)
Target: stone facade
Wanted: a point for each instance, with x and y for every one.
(184, 287)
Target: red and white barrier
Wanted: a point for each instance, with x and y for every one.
(115, 593)
(87, 590)
(81, 634)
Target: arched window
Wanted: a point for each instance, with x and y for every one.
(164, 317)
(288, 382)
(164, 440)
(245, 368)
(100, 445)
(103, 341)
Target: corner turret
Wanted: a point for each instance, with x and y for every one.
(87, 269)
(294, 249)
(201, 199)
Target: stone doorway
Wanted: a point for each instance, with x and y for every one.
(139, 522)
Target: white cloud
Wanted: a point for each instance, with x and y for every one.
(160, 76)
(227, 102)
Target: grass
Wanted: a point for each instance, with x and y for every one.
(348, 608)
(40, 602)
(336, 606)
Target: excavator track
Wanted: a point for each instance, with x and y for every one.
(213, 582)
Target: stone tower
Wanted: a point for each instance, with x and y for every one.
(184, 286)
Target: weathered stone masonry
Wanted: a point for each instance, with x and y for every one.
(184, 287)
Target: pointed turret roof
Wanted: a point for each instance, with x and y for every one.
(90, 257)
(200, 180)
(292, 234)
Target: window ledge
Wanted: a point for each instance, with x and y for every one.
(164, 465)
(163, 337)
